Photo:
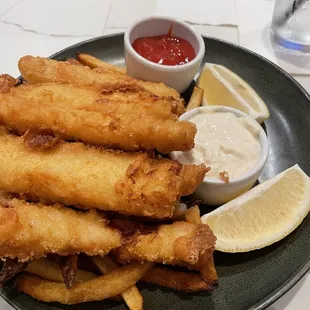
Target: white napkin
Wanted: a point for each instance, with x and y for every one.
(60, 17)
(125, 12)
(211, 12)
(254, 33)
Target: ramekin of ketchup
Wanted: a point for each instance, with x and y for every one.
(163, 49)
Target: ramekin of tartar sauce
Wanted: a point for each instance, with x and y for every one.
(232, 144)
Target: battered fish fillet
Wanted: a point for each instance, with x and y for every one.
(32, 230)
(180, 243)
(91, 99)
(75, 174)
(128, 132)
(159, 89)
(41, 70)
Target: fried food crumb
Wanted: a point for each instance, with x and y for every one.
(224, 176)
(40, 139)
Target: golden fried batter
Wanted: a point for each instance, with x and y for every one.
(118, 131)
(75, 174)
(6, 83)
(159, 89)
(180, 243)
(91, 99)
(41, 70)
(32, 230)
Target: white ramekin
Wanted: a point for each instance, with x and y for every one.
(216, 192)
(177, 77)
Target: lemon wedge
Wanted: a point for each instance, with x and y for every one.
(262, 216)
(223, 87)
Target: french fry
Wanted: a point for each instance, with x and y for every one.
(105, 264)
(131, 296)
(178, 280)
(100, 288)
(97, 63)
(49, 270)
(196, 99)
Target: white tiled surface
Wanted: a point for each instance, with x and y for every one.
(20, 36)
(200, 12)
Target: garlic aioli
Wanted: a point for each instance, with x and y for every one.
(225, 142)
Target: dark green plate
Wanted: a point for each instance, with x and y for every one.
(253, 280)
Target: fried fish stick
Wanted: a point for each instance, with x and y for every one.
(100, 288)
(91, 99)
(32, 230)
(94, 62)
(180, 243)
(75, 174)
(41, 70)
(158, 89)
(117, 131)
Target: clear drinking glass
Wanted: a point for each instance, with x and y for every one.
(290, 26)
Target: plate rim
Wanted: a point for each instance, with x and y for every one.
(296, 277)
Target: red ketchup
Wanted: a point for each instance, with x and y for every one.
(165, 50)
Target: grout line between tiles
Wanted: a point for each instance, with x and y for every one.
(12, 6)
(45, 34)
(108, 16)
